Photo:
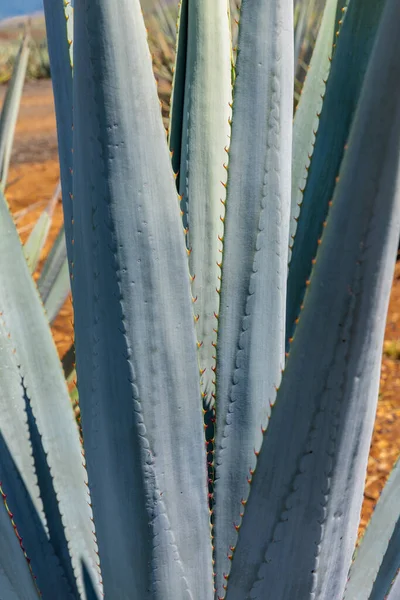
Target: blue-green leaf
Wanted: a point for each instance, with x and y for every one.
(134, 332)
(394, 593)
(349, 64)
(250, 352)
(19, 478)
(38, 236)
(378, 555)
(205, 136)
(26, 322)
(301, 520)
(389, 567)
(176, 118)
(54, 281)
(307, 113)
(16, 580)
(10, 110)
(59, 21)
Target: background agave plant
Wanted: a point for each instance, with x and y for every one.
(177, 329)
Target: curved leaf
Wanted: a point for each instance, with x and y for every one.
(10, 110)
(40, 368)
(17, 471)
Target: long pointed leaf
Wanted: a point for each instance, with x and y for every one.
(394, 593)
(390, 566)
(307, 490)
(19, 476)
(38, 236)
(59, 21)
(205, 136)
(307, 113)
(16, 580)
(27, 324)
(140, 405)
(349, 64)
(250, 353)
(54, 281)
(10, 110)
(382, 536)
(176, 118)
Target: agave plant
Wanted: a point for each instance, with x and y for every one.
(53, 283)
(198, 343)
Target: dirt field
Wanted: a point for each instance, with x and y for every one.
(33, 177)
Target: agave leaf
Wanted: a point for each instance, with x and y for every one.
(135, 343)
(16, 580)
(38, 236)
(307, 490)
(378, 556)
(205, 135)
(349, 64)
(394, 593)
(54, 281)
(389, 567)
(26, 322)
(340, 17)
(9, 113)
(175, 133)
(59, 22)
(19, 476)
(250, 353)
(307, 113)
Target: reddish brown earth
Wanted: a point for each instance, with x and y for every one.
(33, 177)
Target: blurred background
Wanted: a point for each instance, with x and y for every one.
(31, 184)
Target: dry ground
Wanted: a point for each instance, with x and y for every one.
(33, 177)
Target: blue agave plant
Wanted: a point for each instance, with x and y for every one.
(199, 343)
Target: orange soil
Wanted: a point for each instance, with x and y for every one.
(33, 177)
